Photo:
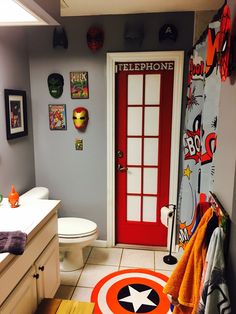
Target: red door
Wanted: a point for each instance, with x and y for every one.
(144, 97)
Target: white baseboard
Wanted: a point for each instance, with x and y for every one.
(100, 243)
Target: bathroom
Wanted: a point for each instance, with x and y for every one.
(48, 158)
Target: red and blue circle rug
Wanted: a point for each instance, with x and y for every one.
(131, 291)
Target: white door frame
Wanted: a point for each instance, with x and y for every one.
(112, 58)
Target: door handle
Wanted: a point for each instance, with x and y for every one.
(121, 168)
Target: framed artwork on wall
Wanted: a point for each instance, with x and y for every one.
(16, 113)
(57, 117)
(79, 85)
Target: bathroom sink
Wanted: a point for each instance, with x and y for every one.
(13, 220)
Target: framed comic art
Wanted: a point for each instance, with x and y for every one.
(79, 88)
(16, 113)
(57, 117)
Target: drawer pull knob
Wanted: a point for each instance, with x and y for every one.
(36, 276)
(41, 268)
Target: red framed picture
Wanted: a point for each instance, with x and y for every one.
(57, 117)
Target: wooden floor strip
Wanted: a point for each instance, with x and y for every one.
(75, 307)
(58, 306)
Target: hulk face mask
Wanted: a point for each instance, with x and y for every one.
(55, 85)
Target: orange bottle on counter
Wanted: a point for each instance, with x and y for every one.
(13, 197)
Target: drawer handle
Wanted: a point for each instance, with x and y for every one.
(36, 276)
(41, 268)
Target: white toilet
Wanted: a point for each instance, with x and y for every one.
(73, 233)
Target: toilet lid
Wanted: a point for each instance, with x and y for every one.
(72, 227)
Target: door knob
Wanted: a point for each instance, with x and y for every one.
(121, 168)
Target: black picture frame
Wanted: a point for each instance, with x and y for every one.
(16, 113)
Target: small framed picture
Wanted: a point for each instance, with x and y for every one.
(57, 117)
(79, 144)
(79, 85)
(16, 113)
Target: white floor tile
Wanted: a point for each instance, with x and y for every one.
(164, 272)
(160, 264)
(105, 256)
(91, 274)
(137, 258)
(82, 294)
(70, 278)
(64, 292)
(86, 252)
(126, 267)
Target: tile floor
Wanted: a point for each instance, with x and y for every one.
(99, 262)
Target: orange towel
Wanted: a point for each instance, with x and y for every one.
(184, 283)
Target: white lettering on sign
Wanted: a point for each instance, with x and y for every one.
(146, 66)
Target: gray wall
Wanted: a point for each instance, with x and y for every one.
(78, 178)
(17, 155)
(225, 176)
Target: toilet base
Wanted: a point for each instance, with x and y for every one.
(71, 260)
(71, 251)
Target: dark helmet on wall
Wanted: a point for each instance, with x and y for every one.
(134, 34)
(168, 31)
(60, 37)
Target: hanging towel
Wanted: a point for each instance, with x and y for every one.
(184, 283)
(214, 292)
(13, 242)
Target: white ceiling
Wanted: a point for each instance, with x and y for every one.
(103, 7)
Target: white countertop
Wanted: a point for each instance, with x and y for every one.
(28, 217)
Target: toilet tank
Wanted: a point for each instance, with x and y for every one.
(38, 192)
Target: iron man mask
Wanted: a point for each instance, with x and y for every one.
(80, 118)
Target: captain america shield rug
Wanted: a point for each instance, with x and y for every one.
(131, 291)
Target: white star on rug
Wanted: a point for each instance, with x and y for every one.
(138, 298)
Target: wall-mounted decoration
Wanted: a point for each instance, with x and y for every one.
(16, 113)
(60, 37)
(168, 31)
(57, 117)
(79, 145)
(224, 43)
(134, 34)
(79, 85)
(95, 38)
(80, 118)
(55, 85)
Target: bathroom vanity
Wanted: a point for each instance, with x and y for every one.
(28, 278)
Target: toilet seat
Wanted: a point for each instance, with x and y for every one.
(73, 227)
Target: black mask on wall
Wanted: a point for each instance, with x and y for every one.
(59, 37)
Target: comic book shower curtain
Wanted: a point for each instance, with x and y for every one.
(200, 128)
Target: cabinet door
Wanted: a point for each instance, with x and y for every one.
(23, 299)
(48, 268)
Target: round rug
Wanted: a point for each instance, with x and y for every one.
(131, 291)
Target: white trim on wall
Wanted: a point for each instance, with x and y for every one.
(112, 58)
(99, 243)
